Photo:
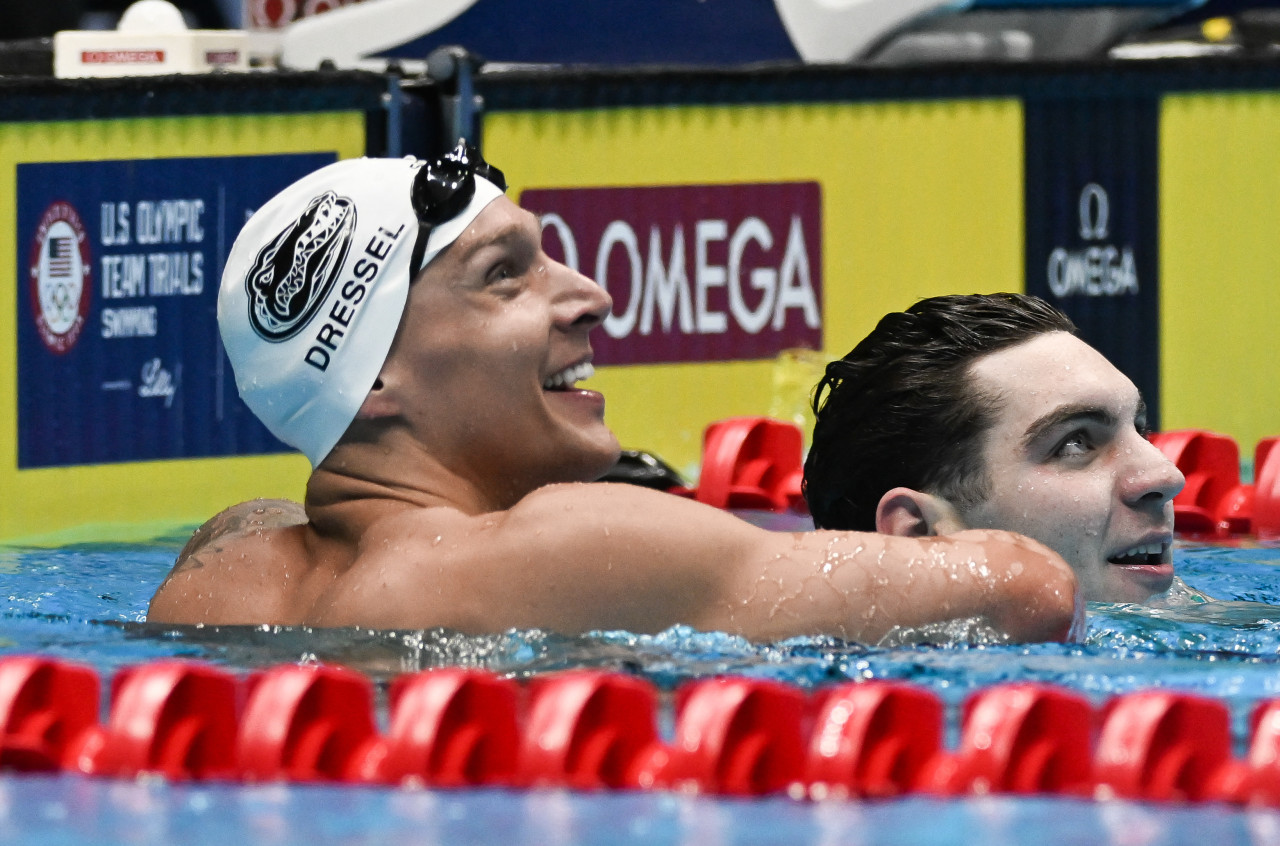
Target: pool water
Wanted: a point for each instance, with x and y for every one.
(87, 603)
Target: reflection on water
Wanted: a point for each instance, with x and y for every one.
(82, 811)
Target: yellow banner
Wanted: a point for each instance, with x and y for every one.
(1219, 260)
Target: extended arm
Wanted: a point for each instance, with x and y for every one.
(580, 557)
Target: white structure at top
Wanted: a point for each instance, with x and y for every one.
(822, 31)
(833, 31)
(152, 38)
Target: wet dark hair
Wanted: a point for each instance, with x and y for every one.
(901, 410)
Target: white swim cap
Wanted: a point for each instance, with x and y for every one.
(318, 278)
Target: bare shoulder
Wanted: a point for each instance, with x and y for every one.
(570, 557)
(236, 522)
(233, 569)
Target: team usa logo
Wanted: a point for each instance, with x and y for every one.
(294, 273)
(61, 282)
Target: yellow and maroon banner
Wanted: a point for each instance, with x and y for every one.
(722, 232)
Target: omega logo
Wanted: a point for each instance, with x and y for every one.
(1100, 269)
(1095, 212)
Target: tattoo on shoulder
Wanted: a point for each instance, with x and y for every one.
(237, 521)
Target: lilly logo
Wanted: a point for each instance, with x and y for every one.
(293, 274)
(157, 381)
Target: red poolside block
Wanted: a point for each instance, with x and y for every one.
(173, 718)
(751, 462)
(306, 724)
(1235, 511)
(46, 708)
(449, 728)
(873, 739)
(1163, 746)
(1021, 738)
(1211, 464)
(1266, 496)
(736, 736)
(590, 730)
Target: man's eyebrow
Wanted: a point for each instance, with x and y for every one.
(1064, 414)
(509, 233)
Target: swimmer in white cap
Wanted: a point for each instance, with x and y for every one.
(399, 322)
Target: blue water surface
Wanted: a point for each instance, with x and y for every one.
(87, 603)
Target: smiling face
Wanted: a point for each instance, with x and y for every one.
(484, 365)
(1069, 465)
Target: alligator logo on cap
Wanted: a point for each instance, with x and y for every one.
(294, 273)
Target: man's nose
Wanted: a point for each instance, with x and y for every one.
(1153, 477)
(582, 303)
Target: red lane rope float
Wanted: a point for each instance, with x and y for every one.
(589, 730)
(873, 739)
(45, 707)
(1164, 746)
(306, 724)
(175, 719)
(735, 736)
(1020, 738)
(449, 728)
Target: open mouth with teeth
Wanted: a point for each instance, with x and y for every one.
(565, 379)
(1149, 555)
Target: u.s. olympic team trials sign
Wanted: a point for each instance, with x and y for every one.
(118, 265)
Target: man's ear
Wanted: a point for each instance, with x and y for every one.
(911, 513)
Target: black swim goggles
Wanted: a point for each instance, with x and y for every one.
(443, 188)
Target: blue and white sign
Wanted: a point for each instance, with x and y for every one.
(119, 357)
(1092, 200)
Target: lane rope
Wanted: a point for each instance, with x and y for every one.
(593, 730)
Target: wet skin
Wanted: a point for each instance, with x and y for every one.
(1069, 464)
(507, 323)
(460, 498)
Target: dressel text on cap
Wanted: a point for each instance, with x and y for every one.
(350, 295)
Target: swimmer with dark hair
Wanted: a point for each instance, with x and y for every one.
(987, 411)
(399, 322)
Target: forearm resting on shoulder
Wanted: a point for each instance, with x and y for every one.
(863, 586)
(642, 560)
